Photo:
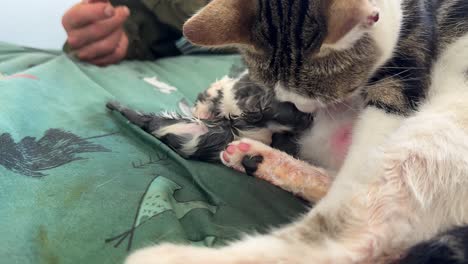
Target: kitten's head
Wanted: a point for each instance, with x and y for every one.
(311, 51)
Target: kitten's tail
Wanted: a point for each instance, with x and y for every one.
(189, 137)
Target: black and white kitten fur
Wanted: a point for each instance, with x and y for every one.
(405, 176)
(234, 108)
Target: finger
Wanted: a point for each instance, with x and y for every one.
(119, 53)
(94, 1)
(81, 15)
(100, 48)
(81, 37)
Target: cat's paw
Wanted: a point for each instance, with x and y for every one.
(246, 155)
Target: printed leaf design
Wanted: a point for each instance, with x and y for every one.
(18, 76)
(161, 86)
(30, 157)
(159, 198)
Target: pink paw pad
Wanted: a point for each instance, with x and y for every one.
(232, 152)
(226, 156)
(231, 149)
(244, 147)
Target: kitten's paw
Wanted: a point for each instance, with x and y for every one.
(246, 155)
(278, 168)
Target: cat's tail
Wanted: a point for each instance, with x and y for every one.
(189, 137)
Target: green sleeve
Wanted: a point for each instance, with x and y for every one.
(174, 13)
(148, 37)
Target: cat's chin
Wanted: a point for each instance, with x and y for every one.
(311, 107)
(353, 102)
(314, 106)
(303, 104)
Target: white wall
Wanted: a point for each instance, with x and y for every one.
(34, 23)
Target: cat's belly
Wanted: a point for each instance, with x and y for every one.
(326, 143)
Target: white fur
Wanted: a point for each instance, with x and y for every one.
(192, 131)
(387, 31)
(317, 141)
(450, 71)
(229, 104)
(263, 135)
(302, 103)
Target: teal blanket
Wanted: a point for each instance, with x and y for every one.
(80, 185)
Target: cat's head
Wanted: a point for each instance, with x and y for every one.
(313, 52)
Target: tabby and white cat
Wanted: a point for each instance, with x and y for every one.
(405, 177)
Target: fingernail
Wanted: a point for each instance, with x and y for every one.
(81, 55)
(72, 41)
(85, 1)
(126, 11)
(109, 11)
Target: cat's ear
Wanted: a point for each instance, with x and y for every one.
(349, 19)
(222, 23)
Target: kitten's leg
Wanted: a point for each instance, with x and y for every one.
(191, 138)
(278, 168)
(420, 190)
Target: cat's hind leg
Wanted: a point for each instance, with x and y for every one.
(278, 168)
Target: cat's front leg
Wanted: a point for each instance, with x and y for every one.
(255, 250)
(278, 168)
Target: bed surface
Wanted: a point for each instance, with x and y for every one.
(80, 185)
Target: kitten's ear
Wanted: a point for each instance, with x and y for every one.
(346, 15)
(221, 23)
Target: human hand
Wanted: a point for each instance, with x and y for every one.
(95, 31)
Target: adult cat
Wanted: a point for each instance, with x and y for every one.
(405, 177)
